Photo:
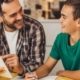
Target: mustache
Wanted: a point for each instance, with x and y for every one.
(18, 21)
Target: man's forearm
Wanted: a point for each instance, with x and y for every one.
(70, 74)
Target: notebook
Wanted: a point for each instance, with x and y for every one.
(5, 73)
(49, 78)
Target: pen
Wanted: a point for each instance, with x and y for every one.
(28, 69)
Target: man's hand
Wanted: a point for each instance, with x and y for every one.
(31, 76)
(12, 62)
(2, 69)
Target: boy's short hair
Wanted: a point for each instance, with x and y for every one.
(76, 6)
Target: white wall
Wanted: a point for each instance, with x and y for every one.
(52, 28)
(22, 3)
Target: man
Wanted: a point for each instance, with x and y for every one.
(22, 39)
(66, 46)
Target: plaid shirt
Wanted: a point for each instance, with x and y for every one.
(30, 45)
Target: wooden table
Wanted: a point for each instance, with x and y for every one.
(45, 78)
(14, 77)
(55, 78)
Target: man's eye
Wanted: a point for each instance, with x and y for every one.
(13, 15)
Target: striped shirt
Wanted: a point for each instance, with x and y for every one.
(30, 45)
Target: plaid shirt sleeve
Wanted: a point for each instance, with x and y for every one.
(37, 51)
(36, 47)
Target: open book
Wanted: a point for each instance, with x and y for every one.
(5, 73)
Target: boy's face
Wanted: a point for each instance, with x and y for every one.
(67, 20)
(12, 15)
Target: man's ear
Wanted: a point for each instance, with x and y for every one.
(78, 22)
(1, 20)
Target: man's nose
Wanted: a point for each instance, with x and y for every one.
(19, 16)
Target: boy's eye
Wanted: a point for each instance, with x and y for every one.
(64, 17)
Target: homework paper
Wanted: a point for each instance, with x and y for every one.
(49, 78)
(6, 73)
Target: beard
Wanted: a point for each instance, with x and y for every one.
(17, 24)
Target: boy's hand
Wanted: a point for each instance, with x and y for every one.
(31, 76)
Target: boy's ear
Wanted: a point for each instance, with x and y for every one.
(78, 22)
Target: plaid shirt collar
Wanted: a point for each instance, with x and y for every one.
(4, 44)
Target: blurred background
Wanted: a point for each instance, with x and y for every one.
(42, 9)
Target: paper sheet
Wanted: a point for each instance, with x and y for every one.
(49, 78)
(6, 73)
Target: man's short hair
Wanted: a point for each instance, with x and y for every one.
(3, 1)
(76, 6)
